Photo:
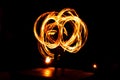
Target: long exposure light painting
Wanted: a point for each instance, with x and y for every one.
(64, 29)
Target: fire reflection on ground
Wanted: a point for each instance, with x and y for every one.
(51, 72)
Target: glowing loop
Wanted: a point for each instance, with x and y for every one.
(52, 29)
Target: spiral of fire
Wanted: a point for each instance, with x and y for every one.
(64, 29)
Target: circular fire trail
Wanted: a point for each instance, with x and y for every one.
(64, 29)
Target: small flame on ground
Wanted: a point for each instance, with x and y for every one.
(95, 66)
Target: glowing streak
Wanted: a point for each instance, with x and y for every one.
(53, 25)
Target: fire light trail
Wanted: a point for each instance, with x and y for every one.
(51, 30)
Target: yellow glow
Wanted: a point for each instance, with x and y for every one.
(47, 60)
(94, 66)
(47, 72)
(53, 25)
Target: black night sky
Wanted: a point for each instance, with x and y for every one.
(18, 46)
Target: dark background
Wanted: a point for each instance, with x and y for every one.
(18, 46)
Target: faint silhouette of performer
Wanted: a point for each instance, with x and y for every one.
(62, 58)
(59, 55)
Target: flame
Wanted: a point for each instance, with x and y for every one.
(48, 60)
(94, 66)
(50, 33)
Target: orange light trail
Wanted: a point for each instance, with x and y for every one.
(52, 28)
